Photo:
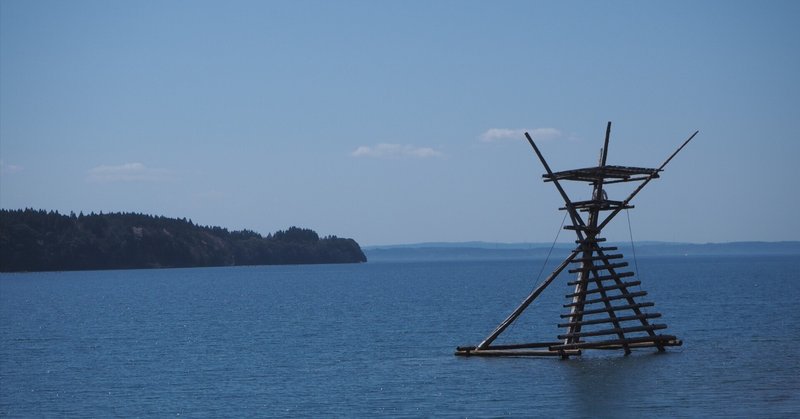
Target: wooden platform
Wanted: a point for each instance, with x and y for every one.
(472, 351)
(566, 350)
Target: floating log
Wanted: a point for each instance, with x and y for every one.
(610, 319)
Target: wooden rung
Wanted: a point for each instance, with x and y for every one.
(618, 275)
(581, 228)
(658, 340)
(594, 258)
(600, 267)
(606, 310)
(601, 204)
(609, 319)
(604, 288)
(602, 208)
(605, 299)
(578, 204)
(613, 331)
(607, 249)
(594, 240)
(658, 344)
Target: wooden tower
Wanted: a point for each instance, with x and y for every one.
(605, 310)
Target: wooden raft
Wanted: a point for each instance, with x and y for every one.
(605, 310)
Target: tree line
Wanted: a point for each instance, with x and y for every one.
(39, 240)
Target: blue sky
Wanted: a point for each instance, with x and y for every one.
(400, 121)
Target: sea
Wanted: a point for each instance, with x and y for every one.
(378, 339)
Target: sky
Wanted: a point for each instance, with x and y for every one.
(401, 121)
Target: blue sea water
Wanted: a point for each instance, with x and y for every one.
(377, 339)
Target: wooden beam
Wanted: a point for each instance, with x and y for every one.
(615, 276)
(605, 145)
(613, 308)
(604, 208)
(519, 352)
(588, 229)
(591, 240)
(599, 267)
(596, 258)
(609, 320)
(630, 179)
(660, 344)
(613, 331)
(607, 288)
(612, 298)
(524, 345)
(593, 203)
(664, 340)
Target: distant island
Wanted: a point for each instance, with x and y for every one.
(473, 251)
(38, 240)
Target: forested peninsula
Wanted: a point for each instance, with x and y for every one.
(38, 240)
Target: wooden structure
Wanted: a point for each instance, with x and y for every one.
(604, 311)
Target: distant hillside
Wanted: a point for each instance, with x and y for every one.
(36, 240)
(501, 251)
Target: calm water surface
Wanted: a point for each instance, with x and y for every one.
(378, 339)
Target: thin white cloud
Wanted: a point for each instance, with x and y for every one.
(128, 172)
(499, 134)
(395, 151)
(9, 169)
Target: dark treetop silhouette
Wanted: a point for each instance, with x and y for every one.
(37, 240)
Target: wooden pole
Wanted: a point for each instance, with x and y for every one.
(642, 185)
(525, 303)
(576, 218)
(605, 145)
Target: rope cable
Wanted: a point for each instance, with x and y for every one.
(549, 252)
(633, 250)
(544, 264)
